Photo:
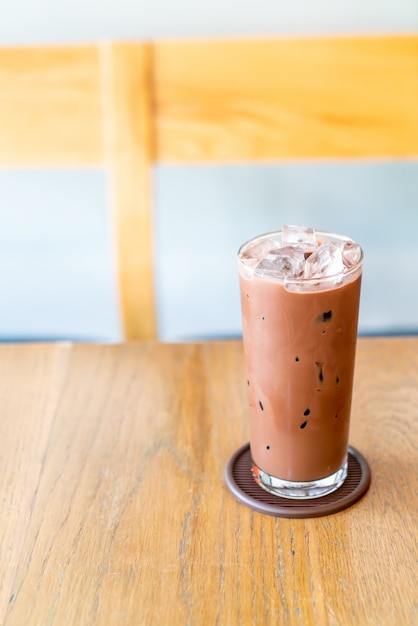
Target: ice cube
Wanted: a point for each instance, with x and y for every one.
(351, 254)
(325, 261)
(304, 236)
(284, 262)
(259, 250)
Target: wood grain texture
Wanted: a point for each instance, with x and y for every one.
(271, 99)
(114, 509)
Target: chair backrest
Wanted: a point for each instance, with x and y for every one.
(124, 106)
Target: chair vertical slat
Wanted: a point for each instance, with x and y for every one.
(128, 131)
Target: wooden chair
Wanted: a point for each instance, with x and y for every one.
(124, 106)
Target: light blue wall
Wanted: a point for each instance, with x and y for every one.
(57, 268)
(34, 21)
(217, 209)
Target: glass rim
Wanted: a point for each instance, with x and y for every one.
(305, 281)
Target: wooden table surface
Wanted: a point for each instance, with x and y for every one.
(114, 510)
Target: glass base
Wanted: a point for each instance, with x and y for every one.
(300, 490)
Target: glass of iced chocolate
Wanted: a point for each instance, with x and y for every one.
(300, 292)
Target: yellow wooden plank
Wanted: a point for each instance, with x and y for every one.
(128, 124)
(50, 108)
(287, 98)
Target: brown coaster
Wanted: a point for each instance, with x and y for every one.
(240, 482)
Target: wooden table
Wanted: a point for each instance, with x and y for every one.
(114, 510)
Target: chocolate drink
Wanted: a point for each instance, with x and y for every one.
(299, 342)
